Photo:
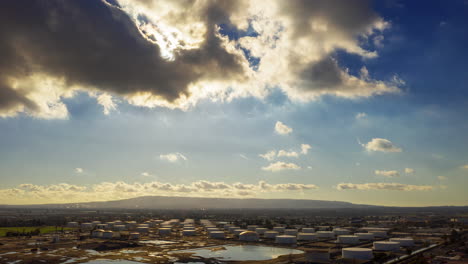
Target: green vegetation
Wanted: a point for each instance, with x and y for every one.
(30, 229)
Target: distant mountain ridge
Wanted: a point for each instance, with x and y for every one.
(171, 202)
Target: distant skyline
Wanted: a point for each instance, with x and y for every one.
(355, 101)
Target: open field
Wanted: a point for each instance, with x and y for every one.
(42, 229)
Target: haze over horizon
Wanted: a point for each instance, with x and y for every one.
(362, 102)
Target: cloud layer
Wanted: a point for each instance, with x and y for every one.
(30, 193)
(384, 186)
(174, 53)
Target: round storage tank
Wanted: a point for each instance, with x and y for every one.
(165, 231)
(285, 239)
(365, 236)
(291, 232)
(107, 234)
(120, 227)
(308, 230)
(377, 233)
(307, 236)
(404, 242)
(102, 226)
(357, 253)
(348, 239)
(340, 231)
(261, 230)
(278, 229)
(73, 224)
(217, 234)
(325, 234)
(134, 235)
(248, 236)
(252, 227)
(238, 231)
(188, 232)
(97, 233)
(271, 234)
(86, 226)
(142, 229)
(386, 245)
(232, 228)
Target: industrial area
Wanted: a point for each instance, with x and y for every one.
(129, 237)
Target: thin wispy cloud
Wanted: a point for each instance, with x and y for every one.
(384, 186)
(280, 166)
(390, 173)
(172, 157)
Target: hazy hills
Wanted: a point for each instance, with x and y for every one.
(166, 202)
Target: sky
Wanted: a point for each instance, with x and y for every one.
(357, 101)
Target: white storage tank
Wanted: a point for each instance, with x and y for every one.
(165, 231)
(134, 235)
(404, 241)
(308, 230)
(95, 223)
(386, 245)
(217, 234)
(341, 231)
(102, 226)
(252, 227)
(86, 226)
(261, 230)
(325, 234)
(348, 239)
(285, 239)
(291, 232)
(357, 253)
(248, 236)
(120, 227)
(238, 231)
(278, 229)
(365, 236)
(379, 233)
(307, 236)
(211, 229)
(142, 229)
(97, 233)
(232, 228)
(271, 234)
(188, 232)
(73, 224)
(107, 234)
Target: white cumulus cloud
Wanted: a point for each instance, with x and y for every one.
(270, 155)
(282, 129)
(305, 148)
(382, 145)
(284, 153)
(280, 165)
(410, 171)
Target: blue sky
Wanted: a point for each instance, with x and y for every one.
(217, 140)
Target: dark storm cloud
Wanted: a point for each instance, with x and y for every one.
(348, 17)
(324, 74)
(93, 44)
